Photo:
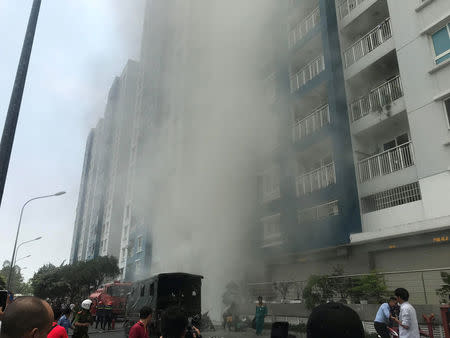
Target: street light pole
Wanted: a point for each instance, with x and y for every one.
(17, 250)
(12, 115)
(17, 260)
(18, 229)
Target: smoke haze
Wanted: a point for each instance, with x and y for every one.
(201, 158)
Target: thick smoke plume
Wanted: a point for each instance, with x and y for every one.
(202, 158)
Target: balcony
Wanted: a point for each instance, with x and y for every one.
(377, 98)
(317, 213)
(387, 162)
(270, 185)
(315, 180)
(304, 27)
(271, 230)
(375, 38)
(311, 123)
(307, 73)
(347, 6)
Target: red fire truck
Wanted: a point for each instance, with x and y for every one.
(114, 294)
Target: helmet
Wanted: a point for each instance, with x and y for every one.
(72, 306)
(86, 304)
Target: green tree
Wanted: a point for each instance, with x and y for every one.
(2, 283)
(16, 277)
(318, 290)
(444, 291)
(371, 287)
(73, 281)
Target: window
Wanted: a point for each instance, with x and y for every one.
(441, 43)
(152, 290)
(391, 198)
(139, 244)
(127, 212)
(142, 288)
(399, 140)
(271, 226)
(447, 110)
(138, 263)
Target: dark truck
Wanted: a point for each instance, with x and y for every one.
(161, 292)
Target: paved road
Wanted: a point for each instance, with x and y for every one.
(217, 334)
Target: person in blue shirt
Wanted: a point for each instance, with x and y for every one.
(64, 321)
(383, 317)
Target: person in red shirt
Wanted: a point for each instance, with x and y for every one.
(140, 329)
(57, 331)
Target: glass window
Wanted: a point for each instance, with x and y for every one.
(139, 244)
(447, 110)
(441, 43)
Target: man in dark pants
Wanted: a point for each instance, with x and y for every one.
(100, 315)
(383, 316)
(108, 316)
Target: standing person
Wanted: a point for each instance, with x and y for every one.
(57, 331)
(261, 312)
(407, 321)
(108, 316)
(94, 310)
(64, 321)
(100, 315)
(140, 329)
(83, 320)
(383, 317)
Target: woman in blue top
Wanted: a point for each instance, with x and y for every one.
(261, 312)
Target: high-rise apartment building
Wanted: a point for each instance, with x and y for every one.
(360, 175)
(364, 172)
(100, 207)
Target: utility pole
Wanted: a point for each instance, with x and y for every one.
(12, 116)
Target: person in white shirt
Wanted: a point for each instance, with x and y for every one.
(407, 320)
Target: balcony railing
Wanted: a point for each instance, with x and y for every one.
(271, 226)
(387, 162)
(315, 180)
(318, 212)
(347, 6)
(303, 27)
(368, 42)
(311, 123)
(307, 73)
(379, 97)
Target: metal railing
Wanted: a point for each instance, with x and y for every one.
(368, 43)
(307, 73)
(315, 180)
(387, 162)
(311, 123)
(318, 212)
(303, 27)
(271, 230)
(377, 98)
(347, 6)
(421, 284)
(390, 198)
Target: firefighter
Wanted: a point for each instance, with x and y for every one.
(82, 320)
(108, 316)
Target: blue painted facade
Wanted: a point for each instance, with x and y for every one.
(333, 230)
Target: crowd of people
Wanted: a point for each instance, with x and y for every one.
(29, 316)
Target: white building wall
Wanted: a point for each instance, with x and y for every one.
(423, 82)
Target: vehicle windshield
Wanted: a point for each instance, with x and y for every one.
(119, 290)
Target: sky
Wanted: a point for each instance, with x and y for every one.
(79, 46)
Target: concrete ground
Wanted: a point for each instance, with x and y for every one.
(217, 334)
